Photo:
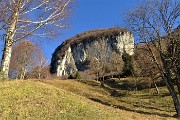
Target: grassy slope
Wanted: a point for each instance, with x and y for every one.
(36, 100)
(143, 102)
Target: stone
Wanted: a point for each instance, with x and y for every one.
(71, 56)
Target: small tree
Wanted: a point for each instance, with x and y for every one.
(40, 73)
(145, 64)
(24, 57)
(116, 64)
(94, 66)
(100, 57)
(41, 65)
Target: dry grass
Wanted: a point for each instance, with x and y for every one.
(33, 100)
(139, 103)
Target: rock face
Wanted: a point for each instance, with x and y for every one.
(73, 54)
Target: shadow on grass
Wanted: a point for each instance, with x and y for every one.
(110, 90)
(131, 84)
(153, 95)
(90, 82)
(143, 106)
(113, 92)
(113, 88)
(128, 109)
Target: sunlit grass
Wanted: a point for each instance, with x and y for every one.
(145, 101)
(32, 100)
(67, 100)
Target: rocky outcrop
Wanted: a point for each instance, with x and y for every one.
(72, 54)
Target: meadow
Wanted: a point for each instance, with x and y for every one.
(79, 100)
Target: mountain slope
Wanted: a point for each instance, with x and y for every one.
(34, 100)
(134, 104)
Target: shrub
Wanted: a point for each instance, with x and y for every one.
(78, 76)
(128, 66)
(75, 76)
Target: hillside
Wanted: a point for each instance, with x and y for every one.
(33, 100)
(144, 102)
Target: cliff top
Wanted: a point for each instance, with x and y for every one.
(96, 33)
(89, 35)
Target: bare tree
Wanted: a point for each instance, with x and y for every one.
(22, 18)
(153, 22)
(41, 65)
(145, 66)
(94, 66)
(116, 64)
(23, 60)
(103, 60)
(41, 73)
(100, 58)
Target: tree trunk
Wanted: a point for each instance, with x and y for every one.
(166, 75)
(39, 76)
(10, 39)
(6, 59)
(97, 76)
(178, 81)
(102, 82)
(155, 85)
(23, 74)
(111, 74)
(39, 73)
(157, 90)
(178, 86)
(172, 91)
(175, 99)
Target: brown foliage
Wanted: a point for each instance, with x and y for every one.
(144, 62)
(39, 72)
(25, 57)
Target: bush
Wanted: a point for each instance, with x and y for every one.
(78, 76)
(75, 76)
(128, 66)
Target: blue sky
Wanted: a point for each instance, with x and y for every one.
(88, 15)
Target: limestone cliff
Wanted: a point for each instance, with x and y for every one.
(73, 53)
